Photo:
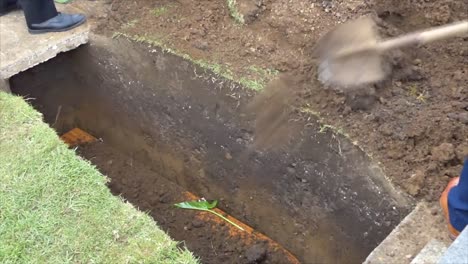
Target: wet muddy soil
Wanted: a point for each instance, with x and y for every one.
(415, 123)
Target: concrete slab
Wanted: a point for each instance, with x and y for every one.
(458, 251)
(5, 85)
(424, 223)
(20, 50)
(431, 253)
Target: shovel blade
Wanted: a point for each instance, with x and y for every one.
(351, 71)
(342, 59)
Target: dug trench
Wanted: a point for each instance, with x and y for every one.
(167, 126)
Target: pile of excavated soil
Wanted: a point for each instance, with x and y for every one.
(415, 123)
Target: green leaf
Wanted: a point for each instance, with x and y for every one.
(203, 205)
(198, 205)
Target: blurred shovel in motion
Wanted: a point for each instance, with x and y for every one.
(350, 55)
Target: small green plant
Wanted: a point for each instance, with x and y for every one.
(130, 24)
(256, 85)
(422, 97)
(307, 109)
(203, 205)
(264, 72)
(159, 11)
(232, 6)
(323, 128)
(415, 92)
(260, 77)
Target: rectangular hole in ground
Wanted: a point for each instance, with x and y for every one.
(168, 126)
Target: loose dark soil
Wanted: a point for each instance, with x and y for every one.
(153, 193)
(158, 115)
(415, 123)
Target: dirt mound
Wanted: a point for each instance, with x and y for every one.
(399, 121)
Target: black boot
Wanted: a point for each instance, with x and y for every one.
(59, 23)
(42, 17)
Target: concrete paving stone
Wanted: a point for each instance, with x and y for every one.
(20, 50)
(403, 244)
(431, 253)
(457, 253)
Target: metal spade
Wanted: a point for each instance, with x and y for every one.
(351, 54)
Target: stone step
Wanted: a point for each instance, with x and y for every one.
(458, 251)
(431, 253)
(20, 50)
(425, 223)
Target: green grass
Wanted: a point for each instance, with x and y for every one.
(307, 111)
(234, 12)
(56, 208)
(257, 80)
(159, 11)
(130, 24)
(415, 92)
(264, 72)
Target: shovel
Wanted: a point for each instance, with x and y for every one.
(350, 55)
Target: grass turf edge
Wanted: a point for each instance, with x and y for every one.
(55, 207)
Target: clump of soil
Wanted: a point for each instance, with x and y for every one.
(399, 122)
(272, 110)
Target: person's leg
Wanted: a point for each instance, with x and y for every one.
(454, 202)
(7, 6)
(445, 207)
(38, 11)
(458, 201)
(5, 3)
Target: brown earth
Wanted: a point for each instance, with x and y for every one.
(211, 240)
(415, 124)
(322, 199)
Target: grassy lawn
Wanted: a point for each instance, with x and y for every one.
(56, 208)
